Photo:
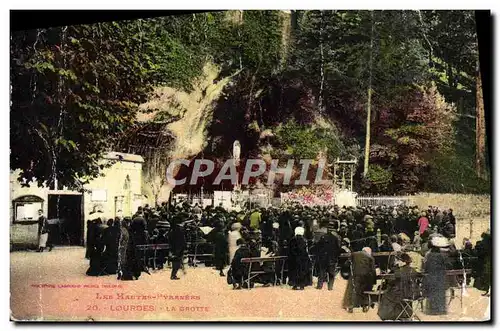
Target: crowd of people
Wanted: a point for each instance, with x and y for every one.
(312, 238)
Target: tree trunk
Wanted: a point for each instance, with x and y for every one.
(286, 35)
(294, 19)
(480, 127)
(369, 107)
(322, 66)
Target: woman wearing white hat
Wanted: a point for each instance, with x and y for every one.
(435, 279)
(299, 266)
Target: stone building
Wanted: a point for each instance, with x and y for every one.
(116, 192)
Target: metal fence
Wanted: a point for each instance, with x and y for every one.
(250, 200)
(384, 200)
(265, 200)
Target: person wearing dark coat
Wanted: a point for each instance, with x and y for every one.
(129, 262)
(444, 220)
(357, 235)
(403, 286)
(451, 217)
(152, 222)
(177, 243)
(96, 262)
(43, 231)
(434, 283)
(239, 270)
(221, 247)
(328, 252)
(448, 229)
(123, 272)
(110, 238)
(387, 226)
(139, 229)
(283, 264)
(383, 262)
(285, 227)
(372, 243)
(139, 232)
(161, 255)
(299, 264)
(90, 238)
(468, 256)
(386, 245)
(363, 277)
(482, 270)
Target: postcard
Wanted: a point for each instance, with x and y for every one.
(257, 165)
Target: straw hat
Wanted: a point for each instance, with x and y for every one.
(440, 241)
(299, 231)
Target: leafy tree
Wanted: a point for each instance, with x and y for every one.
(76, 89)
(377, 180)
(308, 142)
(453, 48)
(420, 123)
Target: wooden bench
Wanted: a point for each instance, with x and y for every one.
(151, 247)
(455, 274)
(375, 256)
(253, 273)
(193, 256)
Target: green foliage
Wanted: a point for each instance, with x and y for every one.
(77, 89)
(418, 125)
(308, 142)
(452, 174)
(453, 46)
(377, 180)
(261, 40)
(399, 59)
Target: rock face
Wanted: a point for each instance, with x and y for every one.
(194, 109)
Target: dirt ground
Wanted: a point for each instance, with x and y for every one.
(53, 286)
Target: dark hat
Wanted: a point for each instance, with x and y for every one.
(405, 258)
(345, 270)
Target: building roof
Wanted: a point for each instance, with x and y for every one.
(124, 157)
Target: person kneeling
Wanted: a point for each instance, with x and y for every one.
(238, 269)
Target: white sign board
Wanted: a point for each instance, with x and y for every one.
(99, 195)
(28, 211)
